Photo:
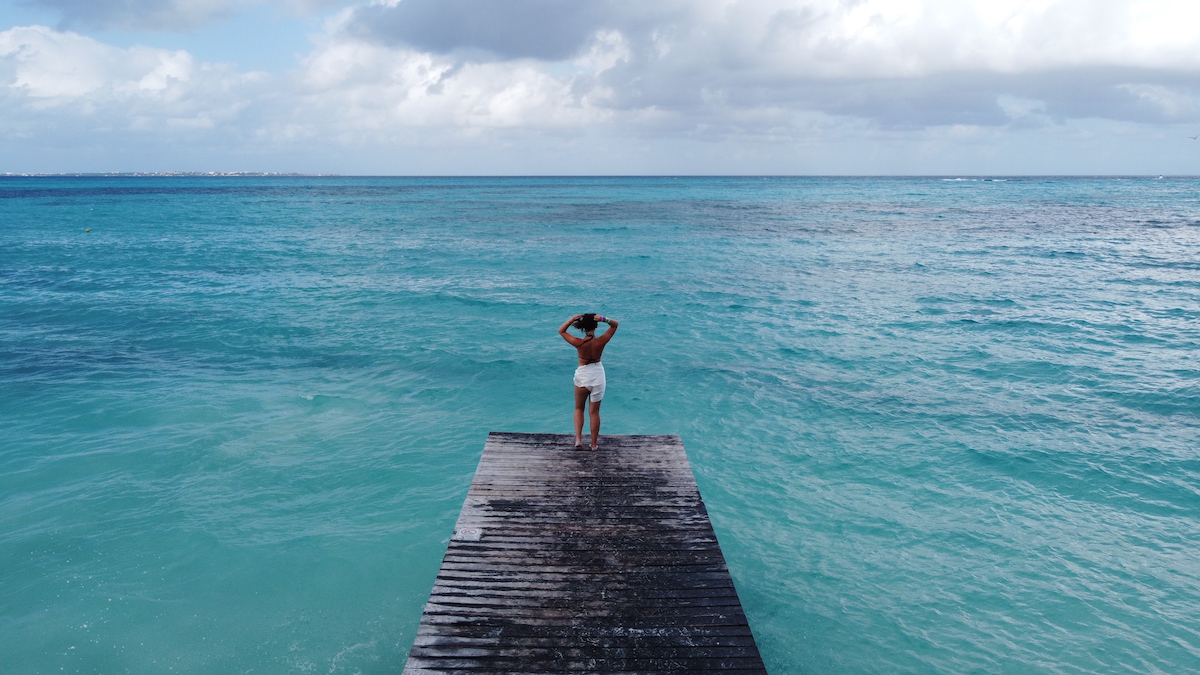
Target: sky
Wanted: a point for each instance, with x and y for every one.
(601, 87)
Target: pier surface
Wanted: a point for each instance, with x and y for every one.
(567, 560)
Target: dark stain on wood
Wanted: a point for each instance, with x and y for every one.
(585, 562)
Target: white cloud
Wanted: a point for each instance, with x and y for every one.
(44, 71)
(426, 73)
(364, 89)
(1021, 108)
(900, 62)
(1171, 102)
(824, 38)
(55, 66)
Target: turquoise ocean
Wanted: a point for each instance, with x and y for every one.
(941, 426)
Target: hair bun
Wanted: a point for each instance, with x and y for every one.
(587, 322)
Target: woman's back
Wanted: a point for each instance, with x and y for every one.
(591, 349)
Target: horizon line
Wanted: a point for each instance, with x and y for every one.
(297, 174)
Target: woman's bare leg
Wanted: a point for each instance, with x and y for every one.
(595, 422)
(581, 397)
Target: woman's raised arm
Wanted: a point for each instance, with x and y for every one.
(612, 327)
(562, 330)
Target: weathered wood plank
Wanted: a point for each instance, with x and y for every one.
(513, 642)
(586, 562)
(612, 592)
(485, 589)
(561, 662)
(574, 634)
(631, 579)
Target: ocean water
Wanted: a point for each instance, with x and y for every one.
(941, 426)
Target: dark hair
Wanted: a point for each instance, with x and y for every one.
(586, 323)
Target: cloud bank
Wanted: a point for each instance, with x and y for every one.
(58, 77)
(709, 67)
(463, 73)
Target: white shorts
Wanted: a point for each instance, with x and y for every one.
(591, 377)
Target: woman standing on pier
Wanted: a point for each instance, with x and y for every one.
(589, 376)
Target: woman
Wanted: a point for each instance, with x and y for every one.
(589, 376)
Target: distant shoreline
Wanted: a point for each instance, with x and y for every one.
(295, 174)
(183, 174)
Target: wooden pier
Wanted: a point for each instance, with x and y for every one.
(566, 560)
